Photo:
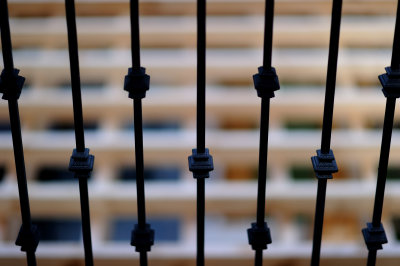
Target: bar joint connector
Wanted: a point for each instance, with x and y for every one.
(137, 82)
(324, 165)
(142, 238)
(201, 164)
(28, 238)
(81, 163)
(11, 84)
(259, 236)
(266, 82)
(374, 237)
(390, 83)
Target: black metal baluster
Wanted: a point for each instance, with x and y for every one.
(324, 163)
(81, 162)
(137, 82)
(374, 234)
(265, 82)
(201, 162)
(11, 86)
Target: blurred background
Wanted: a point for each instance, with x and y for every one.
(234, 41)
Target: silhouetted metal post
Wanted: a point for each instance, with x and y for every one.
(374, 234)
(137, 82)
(324, 163)
(265, 82)
(11, 86)
(201, 162)
(81, 162)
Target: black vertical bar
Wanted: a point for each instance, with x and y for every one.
(21, 174)
(327, 126)
(201, 75)
(143, 258)
(200, 220)
(139, 162)
(31, 258)
(331, 76)
(318, 222)
(138, 128)
(75, 76)
(385, 148)
(201, 123)
(16, 128)
(135, 36)
(85, 213)
(263, 154)
(19, 161)
(268, 33)
(371, 258)
(78, 122)
(395, 64)
(259, 235)
(258, 259)
(383, 160)
(6, 37)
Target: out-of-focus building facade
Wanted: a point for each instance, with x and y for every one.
(234, 41)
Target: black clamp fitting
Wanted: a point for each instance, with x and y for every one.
(374, 237)
(266, 82)
(259, 236)
(28, 238)
(81, 163)
(391, 83)
(201, 164)
(142, 238)
(137, 82)
(11, 84)
(324, 164)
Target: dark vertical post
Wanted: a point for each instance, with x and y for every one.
(75, 76)
(374, 234)
(265, 82)
(201, 162)
(201, 74)
(201, 122)
(135, 34)
(137, 82)
(81, 162)
(324, 163)
(11, 85)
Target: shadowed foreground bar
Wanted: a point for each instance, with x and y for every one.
(168, 50)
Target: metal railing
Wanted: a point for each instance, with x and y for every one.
(137, 82)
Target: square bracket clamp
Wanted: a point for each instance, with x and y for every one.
(259, 236)
(324, 165)
(201, 164)
(266, 82)
(390, 83)
(81, 163)
(11, 84)
(28, 238)
(137, 82)
(142, 238)
(374, 237)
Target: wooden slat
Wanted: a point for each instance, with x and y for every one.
(223, 32)
(179, 7)
(355, 108)
(172, 147)
(233, 66)
(53, 255)
(179, 198)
